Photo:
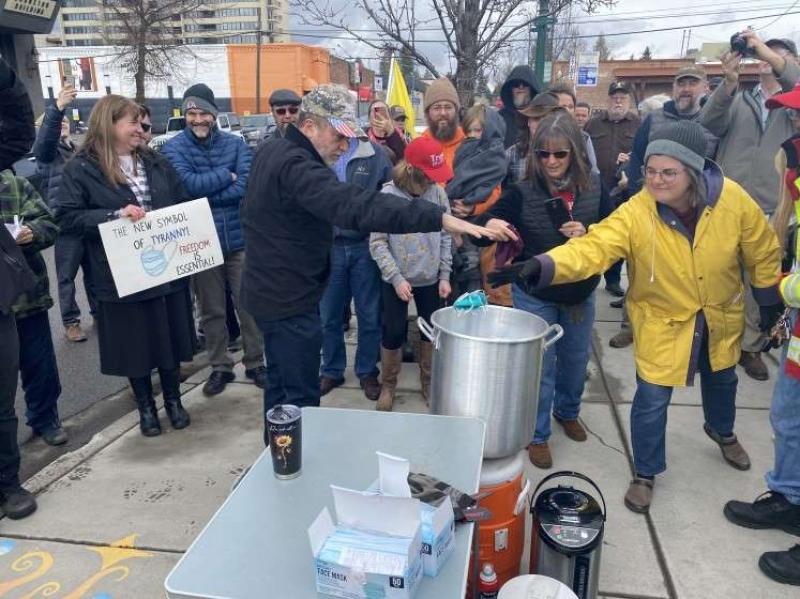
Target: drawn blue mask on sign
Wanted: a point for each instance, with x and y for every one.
(155, 261)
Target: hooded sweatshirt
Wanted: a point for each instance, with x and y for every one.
(480, 164)
(511, 116)
(422, 259)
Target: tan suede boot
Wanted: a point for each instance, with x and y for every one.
(425, 357)
(391, 362)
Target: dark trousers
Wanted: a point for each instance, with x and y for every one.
(69, 255)
(395, 312)
(9, 371)
(292, 348)
(614, 274)
(39, 370)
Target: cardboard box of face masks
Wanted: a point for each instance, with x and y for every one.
(373, 551)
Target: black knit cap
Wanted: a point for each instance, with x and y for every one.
(199, 96)
(682, 140)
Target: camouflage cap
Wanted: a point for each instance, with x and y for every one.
(336, 104)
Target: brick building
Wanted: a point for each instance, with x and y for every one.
(646, 77)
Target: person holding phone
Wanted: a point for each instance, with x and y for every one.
(383, 131)
(557, 201)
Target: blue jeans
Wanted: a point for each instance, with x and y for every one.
(784, 478)
(291, 348)
(564, 365)
(353, 273)
(649, 413)
(39, 372)
(69, 255)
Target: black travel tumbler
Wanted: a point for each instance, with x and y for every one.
(284, 435)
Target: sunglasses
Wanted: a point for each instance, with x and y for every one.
(400, 118)
(146, 127)
(544, 154)
(289, 109)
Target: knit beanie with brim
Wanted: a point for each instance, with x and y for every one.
(199, 97)
(441, 90)
(684, 141)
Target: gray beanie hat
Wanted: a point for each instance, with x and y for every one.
(682, 140)
(200, 97)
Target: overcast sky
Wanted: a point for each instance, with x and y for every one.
(625, 16)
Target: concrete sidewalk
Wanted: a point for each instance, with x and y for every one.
(115, 516)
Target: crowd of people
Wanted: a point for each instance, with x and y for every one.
(533, 204)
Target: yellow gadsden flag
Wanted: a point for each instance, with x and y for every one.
(397, 95)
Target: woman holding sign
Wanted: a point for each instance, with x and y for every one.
(113, 177)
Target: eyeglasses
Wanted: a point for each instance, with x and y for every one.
(401, 118)
(544, 154)
(290, 109)
(668, 175)
(146, 127)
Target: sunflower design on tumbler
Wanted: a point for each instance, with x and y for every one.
(283, 443)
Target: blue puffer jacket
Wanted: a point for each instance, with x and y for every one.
(205, 169)
(51, 153)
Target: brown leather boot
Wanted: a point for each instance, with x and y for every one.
(539, 455)
(622, 339)
(754, 366)
(425, 357)
(391, 362)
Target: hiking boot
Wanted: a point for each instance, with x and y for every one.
(425, 357)
(639, 495)
(327, 384)
(371, 387)
(178, 416)
(258, 375)
(74, 333)
(754, 366)
(391, 363)
(731, 449)
(573, 429)
(539, 455)
(769, 510)
(217, 382)
(782, 566)
(54, 436)
(615, 289)
(622, 339)
(17, 503)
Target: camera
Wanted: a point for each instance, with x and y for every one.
(739, 45)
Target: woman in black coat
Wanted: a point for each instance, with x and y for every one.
(113, 177)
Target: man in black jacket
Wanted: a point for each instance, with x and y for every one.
(517, 92)
(292, 200)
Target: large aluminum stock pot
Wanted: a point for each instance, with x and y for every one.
(487, 363)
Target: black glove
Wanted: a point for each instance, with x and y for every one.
(769, 316)
(520, 273)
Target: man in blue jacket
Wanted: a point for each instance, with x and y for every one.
(354, 274)
(215, 165)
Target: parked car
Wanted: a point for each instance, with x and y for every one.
(175, 125)
(255, 127)
(230, 123)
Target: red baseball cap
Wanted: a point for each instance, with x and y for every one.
(788, 100)
(426, 154)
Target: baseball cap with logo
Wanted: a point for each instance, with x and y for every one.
(426, 154)
(693, 71)
(618, 87)
(335, 104)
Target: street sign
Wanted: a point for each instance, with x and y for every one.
(377, 83)
(588, 67)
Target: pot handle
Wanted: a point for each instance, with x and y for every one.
(427, 330)
(559, 333)
(568, 474)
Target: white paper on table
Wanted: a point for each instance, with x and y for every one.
(393, 475)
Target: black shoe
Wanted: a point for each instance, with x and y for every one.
(178, 416)
(327, 384)
(217, 382)
(619, 304)
(615, 289)
(54, 436)
(371, 387)
(782, 566)
(770, 510)
(17, 503)
(148, 417)
(258, 375)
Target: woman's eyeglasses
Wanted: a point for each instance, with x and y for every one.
(146, 127)
(668, 175)
(545, 154)
(289, 109)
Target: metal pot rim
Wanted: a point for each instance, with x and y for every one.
(541, 336)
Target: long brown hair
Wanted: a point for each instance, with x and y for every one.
(560, 126)
(99, 143)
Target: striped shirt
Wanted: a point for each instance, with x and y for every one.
(137, 181)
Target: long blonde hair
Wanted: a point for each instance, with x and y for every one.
(99, 143)
(783, 213)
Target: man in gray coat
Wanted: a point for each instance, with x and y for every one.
(750, 137)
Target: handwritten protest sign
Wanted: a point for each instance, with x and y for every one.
(165, 245)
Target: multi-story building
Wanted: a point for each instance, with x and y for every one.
(94, 22)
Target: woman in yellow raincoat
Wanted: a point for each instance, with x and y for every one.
(686, 237)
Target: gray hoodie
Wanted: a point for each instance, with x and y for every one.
(422, 259)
